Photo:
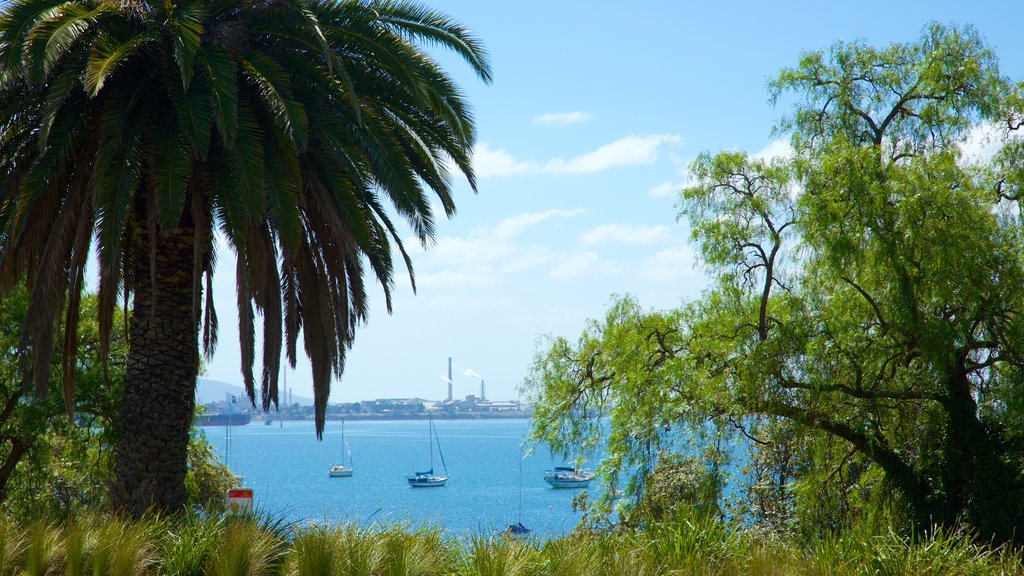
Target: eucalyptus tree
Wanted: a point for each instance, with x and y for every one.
(299, 130)
(867, 291)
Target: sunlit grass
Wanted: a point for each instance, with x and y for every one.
(498, 556)
(124, 548)
(684, 544)
(245, 548)
(186, 546)
(43, 549)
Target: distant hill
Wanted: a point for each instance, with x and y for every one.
(215, 391)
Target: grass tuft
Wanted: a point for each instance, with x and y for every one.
(245, 548)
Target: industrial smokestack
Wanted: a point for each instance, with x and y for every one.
(449, 378)
(483, 397)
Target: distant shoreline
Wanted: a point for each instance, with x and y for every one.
(481, 416)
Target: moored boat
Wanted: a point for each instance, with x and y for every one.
(340, 470)
(428, 479)
(568, 477)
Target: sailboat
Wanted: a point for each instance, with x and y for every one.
(340, 470)
(428, 479)
(518, 529)
(568, 477)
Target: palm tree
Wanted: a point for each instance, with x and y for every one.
(299, 129)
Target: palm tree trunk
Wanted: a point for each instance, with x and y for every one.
(159, 386)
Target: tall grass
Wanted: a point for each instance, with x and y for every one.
(683, 544)
(187, 545)
(316, 550)
(43, 549)
(78, 547)
(362, 553)
(123, 548)
(501, 556)
(245, 548)
(12, 544)
(419, 551)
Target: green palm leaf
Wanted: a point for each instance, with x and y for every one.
(106, 55)
(418, 22)
(247, 162)
(53, 38)
(118, 172)
(185, 24)
(220, 70)
(271, 81)
(283, 178)
(18, 20)
(169, 171)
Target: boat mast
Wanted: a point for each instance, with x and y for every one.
(441, 454)
(430, 443)
(520, 488)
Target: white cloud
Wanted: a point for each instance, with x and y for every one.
(563, 118)
(626, 234)
(671, 264)
(628, 151)
(487, 254)
(779, 148)
(583, 264)
(515, 225)
(982, 143)
(663, 190)
(488, 162)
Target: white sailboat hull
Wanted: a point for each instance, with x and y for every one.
(426, 481)
(568, 483)
(340, 472)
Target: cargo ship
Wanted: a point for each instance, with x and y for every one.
(236, 419)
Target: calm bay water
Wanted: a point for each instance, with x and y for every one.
(287, 469)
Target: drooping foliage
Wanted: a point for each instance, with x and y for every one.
(862, 334)
(298, 130)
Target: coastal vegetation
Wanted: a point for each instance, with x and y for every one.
(859, 353)
(296, 131)
(846, 397)
(681, 544)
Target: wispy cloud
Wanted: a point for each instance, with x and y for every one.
(779, 148)
(563, 118)
(515, 225)
(487, 254)
(983, 142)
(671, 264)
(583, 264)
(664, 189)
(489, 161)
(628, 151)
(626, 234)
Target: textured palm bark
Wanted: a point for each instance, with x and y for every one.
(159, 386)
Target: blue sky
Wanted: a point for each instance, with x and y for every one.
(584, 137)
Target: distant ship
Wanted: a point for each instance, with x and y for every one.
(236, 419)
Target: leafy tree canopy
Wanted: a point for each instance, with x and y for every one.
(864, 331)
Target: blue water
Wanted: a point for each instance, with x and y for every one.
(287, 469)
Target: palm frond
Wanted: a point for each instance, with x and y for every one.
(418, 22)
(271, 81)
(16, 24)
(106, 55)
(169, 171)
(220, 70)
(185, 24)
